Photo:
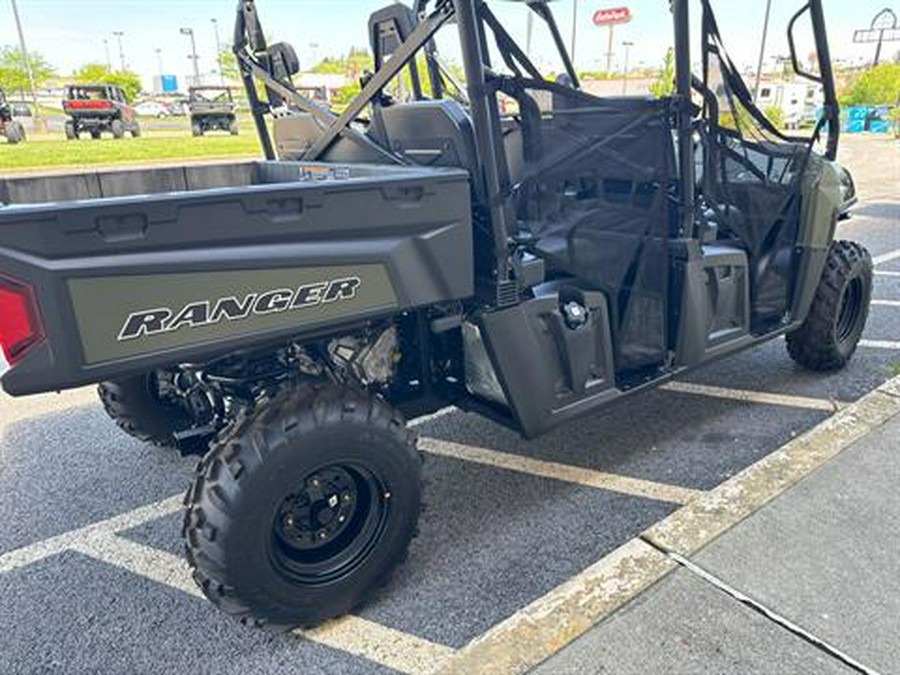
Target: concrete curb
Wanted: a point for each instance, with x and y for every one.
(545, 627)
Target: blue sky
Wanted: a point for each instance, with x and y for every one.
(71, 32)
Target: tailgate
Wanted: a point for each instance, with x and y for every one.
(209, 260)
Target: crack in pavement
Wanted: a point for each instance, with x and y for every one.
(766, 612)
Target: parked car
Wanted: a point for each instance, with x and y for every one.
(154, 109)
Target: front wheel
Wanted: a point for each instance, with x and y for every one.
(304, 508)
(118, 129)
(831, 333)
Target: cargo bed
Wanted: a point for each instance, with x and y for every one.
(305, 246)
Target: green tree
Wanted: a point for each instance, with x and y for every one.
(228, 65)
(877, 86)
(352, 65)
(98, 73)
(14, 76)
(665, 85)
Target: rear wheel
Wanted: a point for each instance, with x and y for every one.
(831, 333)
(197, 129)
(118, 129)
(137, 406)
(136, 130)
(304, 508)
(71, 131)
(234, 128)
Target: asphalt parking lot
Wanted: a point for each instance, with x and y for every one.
(91, 576)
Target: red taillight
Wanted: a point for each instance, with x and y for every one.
(20, 324)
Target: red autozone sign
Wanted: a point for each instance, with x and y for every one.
(608, 17)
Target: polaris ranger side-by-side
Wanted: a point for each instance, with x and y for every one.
(10, 127)
(96, 109)
(212, 109)
(285, 317)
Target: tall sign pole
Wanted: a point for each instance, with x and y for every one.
(883, 29)
(612, 18)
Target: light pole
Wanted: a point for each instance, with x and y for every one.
(193, 56)
(574, 29)
(27, 63)
(628, 45)
(108, 58)
(119, 35)
(215, 23)
(762, 50)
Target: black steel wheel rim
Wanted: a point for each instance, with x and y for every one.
(851, 311)
(328, 526)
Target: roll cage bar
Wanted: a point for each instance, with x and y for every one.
(274, 65)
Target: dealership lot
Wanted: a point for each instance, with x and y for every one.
(91, 575)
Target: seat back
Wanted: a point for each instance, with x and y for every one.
(431, 133)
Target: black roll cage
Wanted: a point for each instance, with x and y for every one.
(258, 61)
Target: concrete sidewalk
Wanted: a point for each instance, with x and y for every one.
(825, 556)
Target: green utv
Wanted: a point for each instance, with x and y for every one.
(10, 127)
(212, 109)
(286, 317)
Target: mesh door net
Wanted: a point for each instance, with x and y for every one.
(751, 181)
(591, 184)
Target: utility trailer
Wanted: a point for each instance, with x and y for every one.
(285, 317)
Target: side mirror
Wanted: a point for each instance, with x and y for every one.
(848, 194)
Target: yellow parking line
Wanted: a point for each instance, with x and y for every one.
(386, 646)
(880, 344)
(887, 257)
(564, 472)
(764, 398)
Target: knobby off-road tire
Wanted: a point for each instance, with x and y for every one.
(304, 509)
(830, 335)
(118, 129)
(71, 131)
(134, 405)
(136, 130)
